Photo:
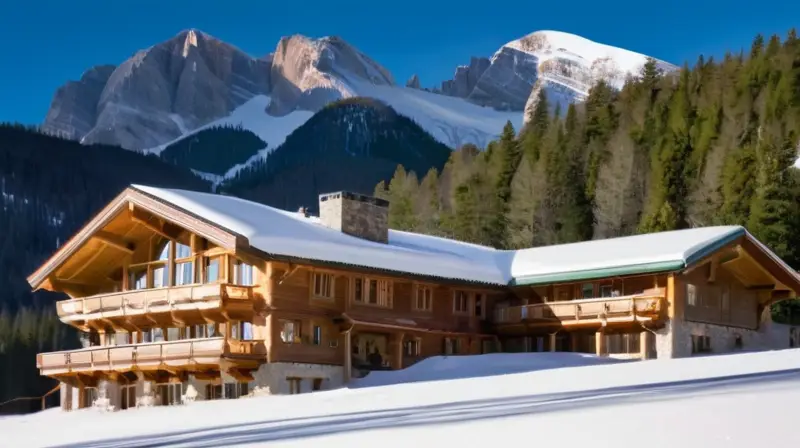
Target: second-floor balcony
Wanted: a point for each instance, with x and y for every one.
(206, 302)
(596, 311)
(191, 354)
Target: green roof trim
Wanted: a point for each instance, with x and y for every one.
(592, 274)
(633, 269)
(715, 245)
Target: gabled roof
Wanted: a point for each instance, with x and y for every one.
(291, 235)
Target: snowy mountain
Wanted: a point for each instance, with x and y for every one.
(564, 64)
(193, 81)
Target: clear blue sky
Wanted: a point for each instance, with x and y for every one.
(46, 43)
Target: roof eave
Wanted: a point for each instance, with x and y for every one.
(594, 274)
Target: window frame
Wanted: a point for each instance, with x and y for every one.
(331, 285)
(384, 295)
(456, 297)
(428, 301)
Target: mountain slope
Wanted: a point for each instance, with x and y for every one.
(350, 145)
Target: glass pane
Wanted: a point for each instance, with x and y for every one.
(212, 270)
(164, 253)
(588, 290)
(159, 277)
(183, 273)
(182, 251)
(247, 331)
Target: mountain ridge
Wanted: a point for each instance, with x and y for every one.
(175, 87)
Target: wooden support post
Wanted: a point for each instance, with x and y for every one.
(348, 356)
(574, 341)
(644, 344)
(194, 243)
(171, 262)
(397, 352)
(600, 342)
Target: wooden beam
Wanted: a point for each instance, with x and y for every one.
(114, 241)
(761, 288)
(712, 269)
(144, 219)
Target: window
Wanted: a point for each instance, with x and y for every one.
(372, 291)
(184, 273)
(411, 347)
(587, 290)
(163, 254)
(242, 273)
(138, 280)
(212, 270)
(294, 384)
(290, 331)
(460, 302)
(160, 277)
(182, 251)
(323, 285)
(452, 346)
(242, 331)
(213, 391)
(206, 331)
(317, 335)
(606, 290)
(235, 390)
(479, 305)
(424, 299)
(170, 394)
(691, 294)
(701, 344)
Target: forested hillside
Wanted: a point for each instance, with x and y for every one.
(49, 188)
(214, 150)
(712, 144)
(348, 145)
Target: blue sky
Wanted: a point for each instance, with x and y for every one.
(46, 43)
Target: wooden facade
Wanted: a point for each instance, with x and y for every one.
(162, 296)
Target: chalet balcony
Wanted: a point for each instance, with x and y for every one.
(588, 312)
(217, 302)
(189, 355)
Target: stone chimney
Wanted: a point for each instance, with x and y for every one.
(356, 214)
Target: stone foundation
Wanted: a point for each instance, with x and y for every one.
(275, 377)
(675, 339)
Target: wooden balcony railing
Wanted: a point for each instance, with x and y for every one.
(146, 301)
(148, 356)
(584, 310)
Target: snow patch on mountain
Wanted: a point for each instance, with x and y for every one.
(569, 65)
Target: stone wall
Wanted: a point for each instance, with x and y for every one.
(357, 215)
(675, 339)
(273, 376)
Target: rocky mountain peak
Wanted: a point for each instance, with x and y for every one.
(413, 82)
(309, 73)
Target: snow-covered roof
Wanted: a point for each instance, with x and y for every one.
(290, 234)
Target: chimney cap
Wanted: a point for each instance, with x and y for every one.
(354, 197)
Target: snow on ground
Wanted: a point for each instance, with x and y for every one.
(563, 399)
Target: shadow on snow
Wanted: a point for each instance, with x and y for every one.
(459, 412)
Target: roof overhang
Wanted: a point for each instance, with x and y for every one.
(594, 274)
(131, 199)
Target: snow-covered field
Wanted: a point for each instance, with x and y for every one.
(558, 399)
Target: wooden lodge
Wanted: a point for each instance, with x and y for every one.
(175, 290)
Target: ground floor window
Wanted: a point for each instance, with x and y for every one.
(236, 390)
(300, 385)
(623, 343)
(89, 396)
(128, 396)
(452, 346)
(411, 347)
(701, 344)
(169, 394)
